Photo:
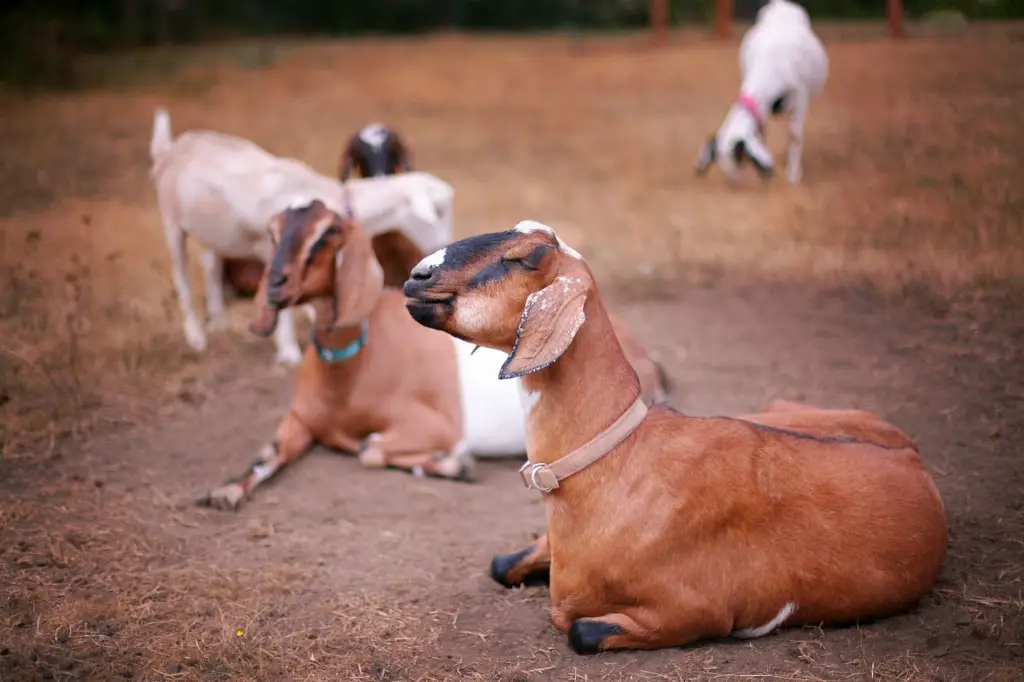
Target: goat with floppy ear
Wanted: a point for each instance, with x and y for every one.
(664, 529)
(373, 151)
(371, 381)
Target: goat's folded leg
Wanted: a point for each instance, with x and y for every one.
(530, 565)
(291, 442)
(413, 453)
(646, 629)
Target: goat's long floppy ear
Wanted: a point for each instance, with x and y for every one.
(550, 320)
(358, 279)
(264, 320)
(757, 153)
(707, 155)
(404, 156)
(345, 167)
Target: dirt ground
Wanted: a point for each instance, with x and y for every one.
(888, 280)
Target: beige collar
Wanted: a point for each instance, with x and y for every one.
(545, 477)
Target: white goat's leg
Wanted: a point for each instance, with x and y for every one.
(288, 351)
(213, 274)
(794, 162)
(194, 333)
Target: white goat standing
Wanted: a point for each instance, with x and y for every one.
(783, 65)
(222, 190)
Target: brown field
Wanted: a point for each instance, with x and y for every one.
(890, 279)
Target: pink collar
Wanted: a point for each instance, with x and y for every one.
(750, 104)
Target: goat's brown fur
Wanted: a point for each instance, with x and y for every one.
(691, 528)
(384, 403)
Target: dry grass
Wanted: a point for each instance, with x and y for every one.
(913, 182)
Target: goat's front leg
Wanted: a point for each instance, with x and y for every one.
(794, 161)
(213, 279)
(195, 335)
(419, 446)
(291, 442)
(647, 629)
(288, 351)
(530, 565)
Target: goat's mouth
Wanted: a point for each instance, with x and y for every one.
(430, 310)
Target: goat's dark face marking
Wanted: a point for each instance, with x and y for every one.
(311, 244)
(301, 235)
(375, 151)
(478, 288)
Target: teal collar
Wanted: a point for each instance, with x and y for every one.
(330, 355)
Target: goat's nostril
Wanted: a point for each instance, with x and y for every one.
(422, 275)
(277, 279)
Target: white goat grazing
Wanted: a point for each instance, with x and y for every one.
(783, 66)
(222, 190)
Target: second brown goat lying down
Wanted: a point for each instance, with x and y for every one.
(373, 381)
(663, 528)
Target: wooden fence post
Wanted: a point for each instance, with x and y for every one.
(894, 8)
(659, 20)
(723, 18)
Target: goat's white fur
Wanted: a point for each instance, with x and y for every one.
(787, 610)
(779, 54)
(492, 413)
(223, 190)
(373, 134)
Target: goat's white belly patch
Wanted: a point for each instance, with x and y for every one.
(752, 633)
(492, 413)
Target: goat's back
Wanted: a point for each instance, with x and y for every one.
(781, 47)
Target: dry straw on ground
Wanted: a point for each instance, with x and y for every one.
(913, 182)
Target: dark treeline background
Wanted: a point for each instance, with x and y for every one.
(37, 34)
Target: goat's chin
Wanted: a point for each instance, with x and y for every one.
(433, 314)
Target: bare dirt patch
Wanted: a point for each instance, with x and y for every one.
(886, 281)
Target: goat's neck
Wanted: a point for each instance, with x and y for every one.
(332, 337)
(573, 400)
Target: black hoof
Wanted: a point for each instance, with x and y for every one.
(502, 564)
(586, 635)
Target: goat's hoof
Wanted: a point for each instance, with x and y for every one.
(290, 357)
(226, 498)
(586, 635)
(458, 467)
(372, 458)
(503, 566)
(195, 337)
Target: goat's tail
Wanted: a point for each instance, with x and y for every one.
(162, 139)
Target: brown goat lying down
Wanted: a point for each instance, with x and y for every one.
(663, 528)
(373, 381)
